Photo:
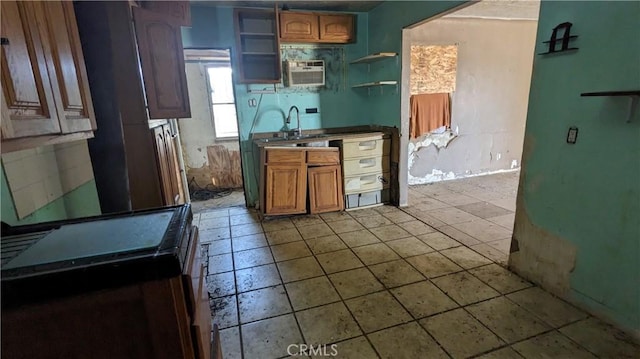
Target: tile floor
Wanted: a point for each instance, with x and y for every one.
(426, 281)
(234, 198)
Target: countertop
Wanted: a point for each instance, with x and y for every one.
(315, 136)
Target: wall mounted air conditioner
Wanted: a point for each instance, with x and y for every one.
(305, 73)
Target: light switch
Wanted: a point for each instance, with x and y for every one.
(572, 135)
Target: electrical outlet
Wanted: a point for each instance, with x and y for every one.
(312, 110)
(572, 135)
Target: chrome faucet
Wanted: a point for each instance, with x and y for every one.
(298, 130)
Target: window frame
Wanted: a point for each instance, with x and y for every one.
(223, 64)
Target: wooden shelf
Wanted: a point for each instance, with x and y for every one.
(633, 97)
(374, 57)
(611, 93)
(376, 83)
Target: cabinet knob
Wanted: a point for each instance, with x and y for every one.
(4, 41)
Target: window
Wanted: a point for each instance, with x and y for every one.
(223, 106)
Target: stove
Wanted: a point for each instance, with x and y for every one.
(55, 259)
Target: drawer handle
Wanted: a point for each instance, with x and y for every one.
(365, 180)
(367, 145)
(382, 179)
(367, 162)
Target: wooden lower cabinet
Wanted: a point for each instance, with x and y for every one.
(167, 161)
(325, 189)
(290, 174)
(286, 188)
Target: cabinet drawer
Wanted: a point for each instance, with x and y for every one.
(285, 156)
(365, 148)
(365, 183)
(323, 157)
(364, 165)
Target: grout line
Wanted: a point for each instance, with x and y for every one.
(286, 292)
(326, 275)
(235, 283)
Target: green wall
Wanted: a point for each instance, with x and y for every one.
(81, 202)
(386, 22)
(212, 27)
(586, 196)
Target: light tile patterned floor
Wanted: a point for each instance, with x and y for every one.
(426, 281)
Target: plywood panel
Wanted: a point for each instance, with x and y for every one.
(433, 69)
(224, 167)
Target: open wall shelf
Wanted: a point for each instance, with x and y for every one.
(376, 83)
(380, 84)
(633, 98)
(611, 93)
(374, 57)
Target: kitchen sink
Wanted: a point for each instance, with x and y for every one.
(304, 137)
(284, 140)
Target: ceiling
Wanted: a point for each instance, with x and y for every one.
(343, 5)
(500, 9)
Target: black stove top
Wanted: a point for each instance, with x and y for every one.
(66, 257)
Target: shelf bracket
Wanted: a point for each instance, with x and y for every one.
(633, 105)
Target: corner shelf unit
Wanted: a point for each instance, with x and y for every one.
(375, 57)
(633, 97)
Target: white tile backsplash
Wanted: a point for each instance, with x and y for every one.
(39, 176)
(18, 155)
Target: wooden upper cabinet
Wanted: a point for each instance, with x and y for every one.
(28, 107)
(298, 26)
(258, 48)
(177, 9)
(70, 83)
(45, 89)
(336, 28)
(163, 71)
(313, 27)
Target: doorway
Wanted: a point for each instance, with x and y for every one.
(481, 56)
(210, 141)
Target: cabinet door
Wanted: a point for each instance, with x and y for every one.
(163, 164)
(325, 189)
(162, 62)
(286, 188)
(180, 10)
(67, 71)
(172, 165)
(297, 26)
(336, 28)
(28, 107)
